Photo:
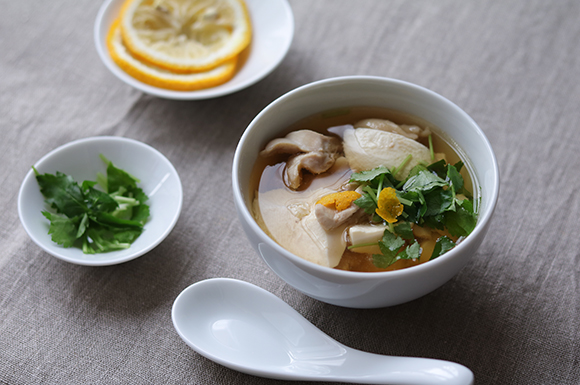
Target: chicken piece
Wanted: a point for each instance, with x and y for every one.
(330, 218)
(367, 148)
(309, 150)
(302, 141)
(409, 131)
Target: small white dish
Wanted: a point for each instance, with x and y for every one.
(273, 30)
(80, 159)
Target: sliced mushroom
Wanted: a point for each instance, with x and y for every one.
(315, 162)
(309, 150)
(302, 141)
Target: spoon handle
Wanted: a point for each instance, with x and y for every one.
(368, 368)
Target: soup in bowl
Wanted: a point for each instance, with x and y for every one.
(364, 191)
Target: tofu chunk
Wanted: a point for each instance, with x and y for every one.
(360, 234)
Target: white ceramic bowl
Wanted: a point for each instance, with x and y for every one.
(272, 33)
(80, 159)
(355, 289)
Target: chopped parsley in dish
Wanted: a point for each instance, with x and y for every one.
(97, 220)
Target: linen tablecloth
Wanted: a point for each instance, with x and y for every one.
(512, 315)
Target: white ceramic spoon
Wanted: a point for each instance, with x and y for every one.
(248, 329)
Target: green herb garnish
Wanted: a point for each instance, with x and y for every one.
(431, 149)
(432, 196)
(442, 245)
(97, 221)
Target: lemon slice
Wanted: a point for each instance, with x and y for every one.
(159, 77)
(185, 35)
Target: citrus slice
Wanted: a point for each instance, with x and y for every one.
(185, 35)
(159, 77)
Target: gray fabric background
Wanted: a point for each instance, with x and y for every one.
(512, 315)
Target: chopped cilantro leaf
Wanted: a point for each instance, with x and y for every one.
(411, 252)
(462, 221)
(392, 250)
(96, 221)
(454, 179)
(366, 203)
(63, 230)
(438, 201)
(383, 261)
(62, 193)
(368, 176)
(442, 245)
(391, 243)
(429, 199)
(404, 230)
(439, 168)
(423, 181)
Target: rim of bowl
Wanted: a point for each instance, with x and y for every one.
(482, 220)
(108, 261)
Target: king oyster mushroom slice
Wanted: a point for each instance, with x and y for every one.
(315, 162)
(309, 150)
(410, 131)
(301, 141)
(367, 148)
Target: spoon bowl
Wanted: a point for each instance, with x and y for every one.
(248, 329)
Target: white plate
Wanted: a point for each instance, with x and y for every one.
(273, 30)
(80, 159)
